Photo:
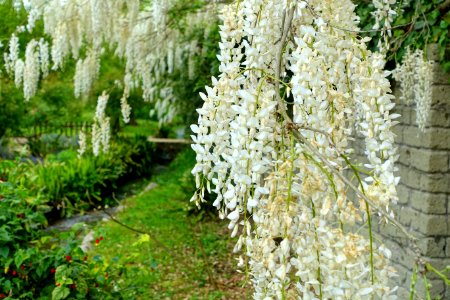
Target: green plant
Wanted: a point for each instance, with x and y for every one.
(418, 24)
(69, 184)
(36, 265)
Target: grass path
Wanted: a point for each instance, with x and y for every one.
(189, 260)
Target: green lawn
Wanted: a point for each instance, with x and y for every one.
(191, 259)
(143, 127)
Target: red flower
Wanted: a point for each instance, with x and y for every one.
(101, 238)
(14, 273)
(2, 296)
(69, 258)
(22, 267)
(58, 284)
(52, 270)
(73, 286)
(97, 241)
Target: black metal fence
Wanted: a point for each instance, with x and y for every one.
(66, 129)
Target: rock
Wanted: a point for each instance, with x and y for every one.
(150, 186)
(86, 244)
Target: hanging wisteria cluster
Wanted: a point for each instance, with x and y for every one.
(141, 33)
(100, 127)
(273, 136)
(28, 71)
(415, 76)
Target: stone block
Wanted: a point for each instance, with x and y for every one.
(403, 292)
(401, 277)
(406, 112)
(433, 247)
(407, 217)
(440, 76)
(435, 183)
(439, 138)
(431, 225)
(429, 203)
(407, 261)
(403, 193)
(405, 155)
(393, 238)
(437, 288)
(441, 95)
(412, 136)
(439, 264)
(432, 138)
(447, 247)
(448, 205)
(438, 117)
(410, 177)
(404, 274)
(425, 159)
(398, 131)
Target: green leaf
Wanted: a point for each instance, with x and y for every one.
(4, 251)
(446, 66)
(145, 238)
(60, 292)
(4, 235)
(419, 25)
(443, 24)
(433, 17)
(20, 257)
(63, 274)
(100, 279)
(442, 39)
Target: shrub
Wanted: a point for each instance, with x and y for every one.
(35, 265)
(70, 184)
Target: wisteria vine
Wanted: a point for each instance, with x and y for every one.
(272, 134)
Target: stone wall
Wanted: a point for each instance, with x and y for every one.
(424, 189)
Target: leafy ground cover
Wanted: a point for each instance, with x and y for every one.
(69, 184)
(172, 254)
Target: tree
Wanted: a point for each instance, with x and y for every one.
(297, 79)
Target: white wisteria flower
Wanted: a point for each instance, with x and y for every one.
(415, 76)
(293, 216)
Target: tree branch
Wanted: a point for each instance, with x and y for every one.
(286, 26)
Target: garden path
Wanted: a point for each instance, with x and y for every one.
(185, 255)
